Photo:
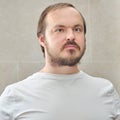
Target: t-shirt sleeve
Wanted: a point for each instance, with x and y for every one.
(116, 106)
(111, 98)
(6, 104)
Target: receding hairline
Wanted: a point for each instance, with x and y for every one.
(59, 5)
(68, 7)
(56, 11)
(62, 6)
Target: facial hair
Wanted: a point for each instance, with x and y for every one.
(70, 61)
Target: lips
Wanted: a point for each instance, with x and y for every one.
(71, 46)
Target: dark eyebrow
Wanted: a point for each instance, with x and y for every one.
(78, 25)
(59, 26)
(62, 26)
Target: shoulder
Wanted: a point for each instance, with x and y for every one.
(102, 84)
(96, 80)
(20, 86)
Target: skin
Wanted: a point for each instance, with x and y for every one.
(63, 26)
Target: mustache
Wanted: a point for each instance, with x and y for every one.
(71, 43)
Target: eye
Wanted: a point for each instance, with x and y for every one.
(60, 30)
(77, 29)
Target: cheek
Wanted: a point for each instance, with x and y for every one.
(51, 45)
(54, 41)
(82, 42)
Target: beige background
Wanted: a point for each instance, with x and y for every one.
(20, 53)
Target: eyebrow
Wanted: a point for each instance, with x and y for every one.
(59, 26)
(77, 25)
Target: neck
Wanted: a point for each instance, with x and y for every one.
(60, 69)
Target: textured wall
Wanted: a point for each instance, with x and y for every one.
(20, 54)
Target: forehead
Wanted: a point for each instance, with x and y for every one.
(65, 16)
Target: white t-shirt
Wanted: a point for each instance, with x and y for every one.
(45, 96)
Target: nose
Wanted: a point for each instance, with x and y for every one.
(70, 35)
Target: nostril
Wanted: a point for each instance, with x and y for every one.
(71, 37)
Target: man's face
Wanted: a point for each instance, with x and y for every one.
(64, 40)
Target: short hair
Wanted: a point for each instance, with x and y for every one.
(42, 24)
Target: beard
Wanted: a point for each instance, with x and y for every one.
(66, 61)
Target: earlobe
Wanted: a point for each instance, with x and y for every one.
(41, 40)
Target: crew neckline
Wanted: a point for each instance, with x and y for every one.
(59, 76)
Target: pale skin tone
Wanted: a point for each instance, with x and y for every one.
(63, 25)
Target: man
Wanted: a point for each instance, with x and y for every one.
(60, 91)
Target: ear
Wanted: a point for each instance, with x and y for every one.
(41, 40)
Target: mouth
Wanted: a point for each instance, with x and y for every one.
(71, 46)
